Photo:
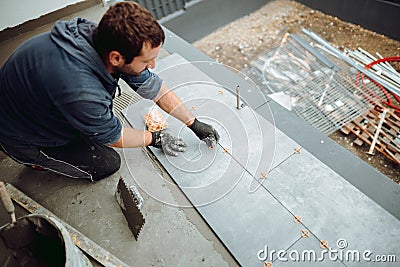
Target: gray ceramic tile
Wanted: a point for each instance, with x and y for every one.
(285, 147)
(212, 183)
(197, 90)
(243, 130)
(282, 148)
(135, 113)
(331, 207)
(246, 223)
(177, 72)
(168, 61)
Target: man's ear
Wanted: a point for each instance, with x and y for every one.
(115, 59)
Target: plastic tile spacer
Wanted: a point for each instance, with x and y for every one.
(305, 233)
(298, 219)
(323, 244)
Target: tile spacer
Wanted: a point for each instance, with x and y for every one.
(193, 107)
(267, 264)
(221, 92)
(305, 233)
(298, 219)
(323, 244)
(263, 175)
(297, 150)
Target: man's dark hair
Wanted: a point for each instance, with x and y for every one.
(125, 27)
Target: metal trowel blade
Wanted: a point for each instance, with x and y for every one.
(129, 206)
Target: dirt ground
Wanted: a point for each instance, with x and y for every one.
(241, 41)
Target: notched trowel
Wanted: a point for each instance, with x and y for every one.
(130, 201)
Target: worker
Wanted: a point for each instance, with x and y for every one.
(57, 88)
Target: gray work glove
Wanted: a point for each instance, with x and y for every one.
(205, 132)
(169, 144)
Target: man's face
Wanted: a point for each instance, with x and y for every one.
(146, 59)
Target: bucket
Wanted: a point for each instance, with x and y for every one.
(39, 240)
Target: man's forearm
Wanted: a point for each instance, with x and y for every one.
(168, 101)
(131, 137)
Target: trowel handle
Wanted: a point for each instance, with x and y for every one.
(5, 198)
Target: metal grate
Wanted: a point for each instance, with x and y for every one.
(322, 89)
(123, 101)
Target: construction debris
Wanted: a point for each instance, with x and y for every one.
(319, 86)
(332, 90)
(380, 67)
(366, 128)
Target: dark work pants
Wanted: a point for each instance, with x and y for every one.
(80, 159)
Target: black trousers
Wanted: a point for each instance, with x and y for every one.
(79, 159)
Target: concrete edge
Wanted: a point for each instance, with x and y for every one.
(201, 17)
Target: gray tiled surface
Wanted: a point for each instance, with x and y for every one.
(247, 222)
(299, 184)
(331, 207)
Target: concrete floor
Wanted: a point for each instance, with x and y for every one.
(171, 236)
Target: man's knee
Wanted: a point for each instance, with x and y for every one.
(115, 161)
(110, 164)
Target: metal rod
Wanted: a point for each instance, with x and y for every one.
(382, 119)
(352, 62)
(313, 51)
(91, 248)
(237, 97)
(387, 64)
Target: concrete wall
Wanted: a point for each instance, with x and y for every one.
(382, 16)
(19, 17)
(13, 13)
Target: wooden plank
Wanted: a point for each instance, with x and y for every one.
(358, 142)
(365, 126)
(345, 130)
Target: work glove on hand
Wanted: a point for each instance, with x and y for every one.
(205, 132)
(169, 144)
